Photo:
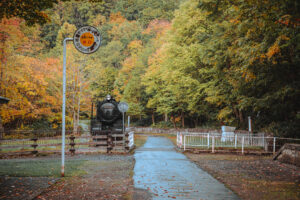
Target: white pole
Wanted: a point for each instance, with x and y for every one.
(184, 142)
(208, 140)
(243, 140)
(250, 125)
(123, 123)
(64, 107)
(235, 141)
(128, 121)
(213, 144)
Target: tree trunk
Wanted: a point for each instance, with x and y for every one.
(196, 122)
(235, 111)
(166, 117)
(153, 119)
(173, 121)
(241, 118)
(182, 119)
(1, 129)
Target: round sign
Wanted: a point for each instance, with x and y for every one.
(87, 39)
(123, 107)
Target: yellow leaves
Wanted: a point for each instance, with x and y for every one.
(234, 21)
(27, 84)
(275, 49)
(128, 65)
(135, 46)
(224, 114)
(284, 37)
(248, 76)
(99, 20)
(67, 30)
(250, 33)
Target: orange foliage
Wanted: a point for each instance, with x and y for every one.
(117, 18)
(157, 27)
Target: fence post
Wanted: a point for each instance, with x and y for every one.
(181, 140)
(72, 144)
(213, 144)
(34, 145)
(274, 145)
(184, 142)
(208, 140)
(243, 140)
(235, 140)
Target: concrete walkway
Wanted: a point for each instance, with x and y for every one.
(167, 174)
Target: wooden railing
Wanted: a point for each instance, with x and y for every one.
(74, 144)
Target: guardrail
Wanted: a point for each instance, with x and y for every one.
(214, 142)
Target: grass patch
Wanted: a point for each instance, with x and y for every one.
(172, 137)
(40, 168)
(139, 140)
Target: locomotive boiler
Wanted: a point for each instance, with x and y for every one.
(108, 117)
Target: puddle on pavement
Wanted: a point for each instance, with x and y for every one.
(167, 174)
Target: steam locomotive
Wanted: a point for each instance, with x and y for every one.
(108, 117)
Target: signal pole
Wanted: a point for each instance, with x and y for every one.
(64, 107)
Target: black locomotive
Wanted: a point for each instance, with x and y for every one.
(108, 116)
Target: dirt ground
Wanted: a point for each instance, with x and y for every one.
(98, 177)
(252, 177)
(107, 177)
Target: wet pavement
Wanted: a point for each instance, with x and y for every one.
(167, 174)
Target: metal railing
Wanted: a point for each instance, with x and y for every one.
(238, 142)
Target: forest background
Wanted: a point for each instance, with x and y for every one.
(177, 63)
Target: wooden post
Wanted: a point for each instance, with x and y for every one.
(274, 145)
(34, 145)
(72, 144)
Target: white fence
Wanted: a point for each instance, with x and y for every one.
(238, 141)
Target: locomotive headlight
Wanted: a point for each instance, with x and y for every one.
(108, 97)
